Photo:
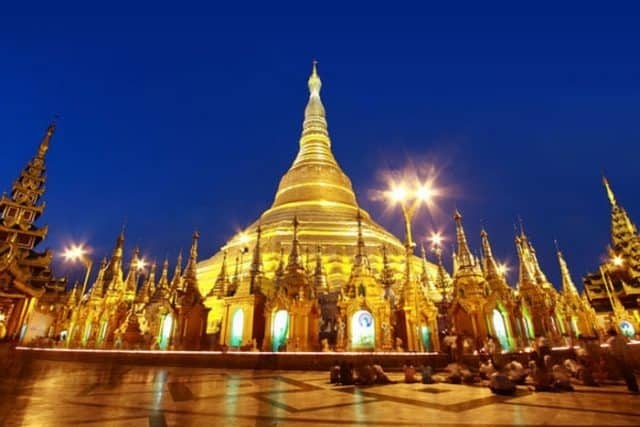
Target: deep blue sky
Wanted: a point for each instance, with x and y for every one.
(189, 122)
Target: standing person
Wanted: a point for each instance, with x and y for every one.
(617, 350)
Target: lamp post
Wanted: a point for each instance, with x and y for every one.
(409, 199)
(79, 253)
(443, 306)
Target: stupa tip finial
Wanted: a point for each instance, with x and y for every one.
(607, 186)
(52, 124)
(314, 79)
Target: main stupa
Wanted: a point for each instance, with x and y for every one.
(319, 194)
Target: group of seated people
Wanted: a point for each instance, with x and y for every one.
(367, 374)
(541, 373)
(585, 365)
(344, 373)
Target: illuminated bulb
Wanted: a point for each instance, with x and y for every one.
(424, 193)
(74, 253)
(243, 238)
(436, 239)
(399, 194)
(503, 268)
(617, 261)
(140, 263)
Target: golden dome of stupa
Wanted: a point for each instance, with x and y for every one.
(319, 194)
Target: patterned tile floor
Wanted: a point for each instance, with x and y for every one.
(73, 394)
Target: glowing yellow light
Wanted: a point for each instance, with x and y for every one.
(503, 268)
(617, 261)
(436, 239)
(243, 238)
(398, 194)
(140, 263)
(74, 253)
(424, 193)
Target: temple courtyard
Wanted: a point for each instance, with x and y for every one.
(53, 393)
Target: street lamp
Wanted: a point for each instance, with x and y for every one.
(79, 253)
(436, 240)
(140, 264)
(617, 261)
(503, 268)
(409, 201)
(410, 197)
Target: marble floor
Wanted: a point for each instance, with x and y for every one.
(45, 393)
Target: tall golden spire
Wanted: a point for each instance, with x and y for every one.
(97, 290)
(164, 276)
(190, 293)
(132, 276)
(568, 287)
(319, 278)
(176, 281)
(150, 283)
(294, 256)
(539, 275)
(491, 267)
(162, 291)
(360, 262)
(190, 270)
(256, 263)
(314, 174)
(113, 276)
(44, 144)
(463, 256)
(610, 195)
(219, 289)
(525, 275)
(314, 115)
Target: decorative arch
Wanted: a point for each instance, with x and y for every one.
(237, 328)
(279, 329)
(166, 329)
(362, 330)
(500, 328)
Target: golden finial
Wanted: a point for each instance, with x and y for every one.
(44, 144)
(612, 198)
(314, 80)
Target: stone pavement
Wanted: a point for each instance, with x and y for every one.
(46, 393)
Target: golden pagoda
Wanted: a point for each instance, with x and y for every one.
(29, 295)
(614, 291)
(319, 196)
(500, 305)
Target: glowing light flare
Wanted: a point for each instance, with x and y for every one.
(617, 261)
(140, 264)
(243, 238)
(74, 253)
(425, 192)
(398, 194)
(503, 268)
(436, 239)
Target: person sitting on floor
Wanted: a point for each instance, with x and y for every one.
(486, 369)
(561, 381)
(381, 376)
(334, 373)
(427, 375)
(366, 375)
(409, 373)
(346, 374)
(516, 372)
(499, 383)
